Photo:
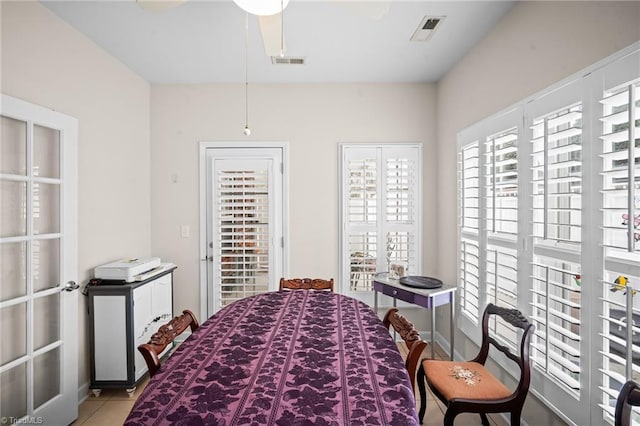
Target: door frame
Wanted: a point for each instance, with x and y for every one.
(202, 158)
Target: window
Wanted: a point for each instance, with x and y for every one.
(549, 205)
(380, 187)
(620, 153)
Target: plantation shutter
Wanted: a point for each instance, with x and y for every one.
(362, 206)
(620, 152)
(243, 210)
(401, 206)
(556, 142)
(381, 187)
(501, 218)
(469, 205)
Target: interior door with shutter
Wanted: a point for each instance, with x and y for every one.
(245, 250)
(38, 265)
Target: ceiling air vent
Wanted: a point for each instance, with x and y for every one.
(427, 27)
(287, 60)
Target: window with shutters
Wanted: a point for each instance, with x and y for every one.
(620, 152)
(557, 212)
(550, 224)
(380, 187)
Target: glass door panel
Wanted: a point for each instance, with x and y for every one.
(45, 263)
(14, 329)
(13, 270)
(13, 198)
(13, 146)
(14, 403)
(46, 320)
(46, 208)
(46, 152)
(46, 380)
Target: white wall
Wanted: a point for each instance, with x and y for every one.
(313, 118)
(46, 62)
(532, 47)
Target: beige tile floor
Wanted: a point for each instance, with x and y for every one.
(112, 407)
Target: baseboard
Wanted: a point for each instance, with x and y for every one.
(83, 393)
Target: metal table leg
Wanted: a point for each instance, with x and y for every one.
(433, 327)
(452, 330)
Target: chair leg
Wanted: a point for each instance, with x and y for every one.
(449, 417)
(515, 417)
(423, 393)
(485, 420)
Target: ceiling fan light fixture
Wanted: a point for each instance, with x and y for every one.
(262, 7)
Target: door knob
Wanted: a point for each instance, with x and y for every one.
(70, 286)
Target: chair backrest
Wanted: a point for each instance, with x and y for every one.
(629, 396)
(402, 326)
(516, 319)
(306, 284)
(165, 335)
(411, 338)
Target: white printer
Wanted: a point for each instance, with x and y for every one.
(129, 270)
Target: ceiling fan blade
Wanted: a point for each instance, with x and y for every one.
(158, 5)
(271, 29)
(375, 9)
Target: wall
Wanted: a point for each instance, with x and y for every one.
(313, 119)
(532, 47)
(46, 62)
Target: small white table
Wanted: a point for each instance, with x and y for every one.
(429, 299)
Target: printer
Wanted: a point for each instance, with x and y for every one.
(129, 270)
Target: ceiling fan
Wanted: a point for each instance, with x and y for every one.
(270, 15)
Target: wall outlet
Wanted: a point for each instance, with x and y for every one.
(185, 232)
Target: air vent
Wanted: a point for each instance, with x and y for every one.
(287, 60)
(427, 27)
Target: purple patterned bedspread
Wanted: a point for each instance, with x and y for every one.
(284, 358)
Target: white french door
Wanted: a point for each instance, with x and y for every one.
(38, 265)
(380, 187)
(244, 244)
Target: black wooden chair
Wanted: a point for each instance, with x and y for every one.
(469, 386)
(165, 335)
(629, 396)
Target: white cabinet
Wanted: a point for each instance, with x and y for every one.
(123, 316)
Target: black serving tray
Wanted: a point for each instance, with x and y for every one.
(421, 282)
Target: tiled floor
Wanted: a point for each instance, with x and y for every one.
(112, 407)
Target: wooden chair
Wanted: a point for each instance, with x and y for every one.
(469, 386)
(411, 338)
(306, 284)
(629, 396)
(165, 335)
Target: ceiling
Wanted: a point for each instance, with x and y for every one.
(204, 42)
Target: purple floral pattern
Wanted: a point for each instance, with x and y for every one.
(298, 358)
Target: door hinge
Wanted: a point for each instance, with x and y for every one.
(282, 242)
(282, 168)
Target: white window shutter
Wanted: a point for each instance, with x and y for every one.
(242, 207)
(469, 204)
(620, 153)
